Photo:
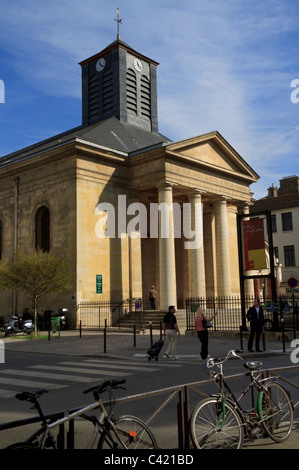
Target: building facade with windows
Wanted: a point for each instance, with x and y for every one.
(64, 193)
(283, 202)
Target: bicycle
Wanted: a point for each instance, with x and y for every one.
(125, 432)
(220, 421)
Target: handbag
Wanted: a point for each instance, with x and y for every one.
(206, 324)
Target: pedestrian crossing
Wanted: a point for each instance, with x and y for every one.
(65, 373)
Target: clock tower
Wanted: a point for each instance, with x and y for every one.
(119, 82)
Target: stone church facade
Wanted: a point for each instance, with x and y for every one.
(56, 195)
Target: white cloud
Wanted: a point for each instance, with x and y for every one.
(224, 66)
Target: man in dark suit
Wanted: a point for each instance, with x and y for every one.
(256, 317)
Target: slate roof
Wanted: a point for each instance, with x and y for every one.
(285, 201)
(110, 133)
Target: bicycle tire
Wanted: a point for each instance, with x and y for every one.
(133, 432)
(275, 410)
(21, 445)
(212, 427)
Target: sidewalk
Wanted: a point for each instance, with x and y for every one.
(121, 345)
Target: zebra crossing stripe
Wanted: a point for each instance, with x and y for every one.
(102, 373)
(46, 375)
(29, 383)
(111, 365)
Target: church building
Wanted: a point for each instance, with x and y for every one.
(128, 206)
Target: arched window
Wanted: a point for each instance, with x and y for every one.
(42, 229)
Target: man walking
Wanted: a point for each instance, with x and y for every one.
(256, 317)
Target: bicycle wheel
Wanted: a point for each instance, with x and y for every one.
(216, 425)
(21, 445)
(275, 410)
(132, 432)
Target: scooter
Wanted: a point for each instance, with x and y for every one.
(48, 314)
(62, 312)
(15, 325)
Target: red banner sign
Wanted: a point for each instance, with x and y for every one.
(254, 244)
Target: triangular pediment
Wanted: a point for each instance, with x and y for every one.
(213, 152)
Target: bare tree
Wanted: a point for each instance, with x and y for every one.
(37, 274)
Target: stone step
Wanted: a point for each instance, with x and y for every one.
(155, 317)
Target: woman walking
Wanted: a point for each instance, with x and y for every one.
(202, 332)
(171, 331)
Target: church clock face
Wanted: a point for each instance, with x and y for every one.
(100, 64)
(138, 65)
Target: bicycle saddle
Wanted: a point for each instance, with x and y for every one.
(30, 396)
(253, 365)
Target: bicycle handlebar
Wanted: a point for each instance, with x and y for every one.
(218, 361)
(103, 386)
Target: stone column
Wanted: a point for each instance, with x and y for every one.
(168, 295)
(222, 248)
(196, 253)
(135, 255)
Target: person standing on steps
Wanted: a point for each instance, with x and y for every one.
(256, 317)
(202, 332)
(171, 330)
(153, 297)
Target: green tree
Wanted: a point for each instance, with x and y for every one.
(37, 274)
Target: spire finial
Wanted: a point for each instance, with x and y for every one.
(118, 20)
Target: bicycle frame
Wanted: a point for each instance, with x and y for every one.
(96, 421)
(255, 383)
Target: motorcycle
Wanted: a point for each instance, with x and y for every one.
(16, 325)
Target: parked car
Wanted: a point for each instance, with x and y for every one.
(289, 313)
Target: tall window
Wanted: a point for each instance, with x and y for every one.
(42, 229)
(0, 239)
(289, 255)
(145, 97)
(273, 223)
(287, 221)
(131, 91)
(107, 92)
(275, 253)
(93, 96)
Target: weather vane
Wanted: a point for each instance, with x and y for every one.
(118, 20)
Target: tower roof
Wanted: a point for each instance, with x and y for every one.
(118, 43)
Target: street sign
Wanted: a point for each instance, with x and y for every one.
(292, 282)
(99, 284)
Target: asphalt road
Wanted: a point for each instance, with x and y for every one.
(67, 377)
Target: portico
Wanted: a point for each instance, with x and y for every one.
(208, 178)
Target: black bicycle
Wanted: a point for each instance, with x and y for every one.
(125, 432)
(220, 421)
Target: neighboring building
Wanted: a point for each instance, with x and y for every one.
(56, 194)
(284, 206)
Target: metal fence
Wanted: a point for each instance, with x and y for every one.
(229, 312)
(122, 314)
(129, 313)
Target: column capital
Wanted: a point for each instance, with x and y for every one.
(192, 193)
(166, 185)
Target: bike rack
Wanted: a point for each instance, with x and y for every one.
(65, 439)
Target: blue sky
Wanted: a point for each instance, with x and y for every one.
(224, 65)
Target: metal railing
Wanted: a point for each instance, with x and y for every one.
(122, 314)
(66, 437)
(229, 312)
